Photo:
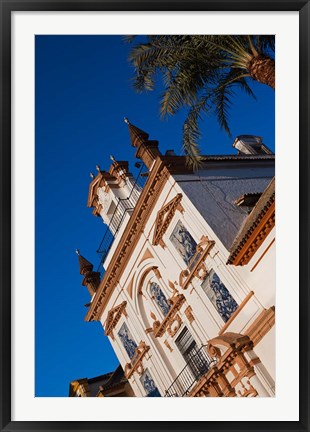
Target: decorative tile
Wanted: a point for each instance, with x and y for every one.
(219, 295)
(159, 298)
(149, 385)
(127, 340)
(183, 242)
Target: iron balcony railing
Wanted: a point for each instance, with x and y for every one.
(197, 365)
(123, 206)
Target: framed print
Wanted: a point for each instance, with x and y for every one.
(146, 259)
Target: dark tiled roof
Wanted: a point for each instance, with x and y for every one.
(105, 381)
(239, 157)
(248, 199)
(116, 378)
(104, 378)
(253, 220)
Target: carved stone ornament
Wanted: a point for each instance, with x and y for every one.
(201, 271)
(105, 200)
(171, 320)
(174, 325)
(136, 364)
(172, 287)
(229, 350)
(113, 318)
(168, 345)
(197, 267)
(189, 314)
(164, 218)
(248, 391)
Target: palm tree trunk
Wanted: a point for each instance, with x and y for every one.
(262, 69)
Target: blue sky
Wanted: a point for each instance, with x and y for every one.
(83, 92)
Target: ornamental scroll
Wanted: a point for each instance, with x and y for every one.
(136, 364)
(172, 320)
(196, 266)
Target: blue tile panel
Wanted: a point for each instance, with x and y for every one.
(127, 340)
(219, 295)
(149, 385)
(159, 298)
(183, 242)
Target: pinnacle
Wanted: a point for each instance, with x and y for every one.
(83, 263)
(137, 136)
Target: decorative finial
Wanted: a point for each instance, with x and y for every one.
(92, 175)
(98, 168)
(126, 120)
(77, 251)
(112, 158)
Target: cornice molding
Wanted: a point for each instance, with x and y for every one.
(127, 243)
(262, 325)
(254, 238)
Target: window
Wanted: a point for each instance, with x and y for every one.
(219, 295)
(127, 340)
(149, 385)
(160, 298)
(183, 242)
(195, 358)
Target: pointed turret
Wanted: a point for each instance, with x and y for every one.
(85, 266)
(91, 279)
(137, 136)
(147, 150)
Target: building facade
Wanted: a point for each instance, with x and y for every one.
(187, 295)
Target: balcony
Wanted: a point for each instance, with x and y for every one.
(124, 206)
(197, 365)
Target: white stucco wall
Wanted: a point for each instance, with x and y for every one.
(200, 205)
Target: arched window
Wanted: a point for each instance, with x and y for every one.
(159, 297)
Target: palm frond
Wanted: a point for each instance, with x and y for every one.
(222, 104)
(129, 38)
(183, 87)
(191, 131)
(198, 71)
(191, 135)
(223, 94)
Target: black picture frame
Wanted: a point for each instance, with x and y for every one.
(9, 6)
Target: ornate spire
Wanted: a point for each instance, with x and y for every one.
(91, 279)
(137, 136)
(147, 150)
(83, 263)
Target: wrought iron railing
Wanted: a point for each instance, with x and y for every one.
(197, 365)
(124, 206)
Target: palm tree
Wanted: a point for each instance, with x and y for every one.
(202, 72)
